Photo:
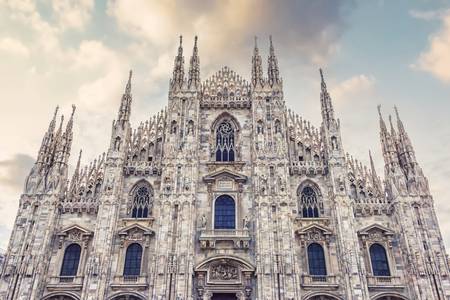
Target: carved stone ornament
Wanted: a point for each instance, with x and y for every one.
(223, 272)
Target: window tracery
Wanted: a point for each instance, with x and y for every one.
(309, 204)
(142, 201)
(225, 147)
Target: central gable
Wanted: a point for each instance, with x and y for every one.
(226, 89)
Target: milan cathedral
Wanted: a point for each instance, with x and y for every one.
(225, 194)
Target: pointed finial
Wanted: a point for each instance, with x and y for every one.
(195, 41)
(256, 42)
(379, 111)
(270, 41)
(128, 86)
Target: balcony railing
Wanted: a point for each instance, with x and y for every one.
(389, 282)
(312, 281)
(65, 283)
(307, 167)
(132, 281)
(142, 168)
(239, 237)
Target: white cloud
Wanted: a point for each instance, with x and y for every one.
(352, 88)
(427, 15)
(14, 47)
(73, 14)
(436, 59)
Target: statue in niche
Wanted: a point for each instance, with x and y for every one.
(246, 222)
(204, 221)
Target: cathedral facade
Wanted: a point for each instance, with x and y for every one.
(225, 194)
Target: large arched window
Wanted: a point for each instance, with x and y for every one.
(224, 213)
(225, 149)
(316, 260)
(379, 260)
(133, 260)
(71, 260)
(309, 203)
(142, 201)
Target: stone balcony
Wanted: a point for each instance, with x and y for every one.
(65, 283)
(309, 167)
(130, 281)
(313, 281)
(385, 282)
(239, 238)
(142, 168)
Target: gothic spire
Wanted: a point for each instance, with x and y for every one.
(273, 71)
(376, 182)
(257, 72)
(125, 104)
(76, 174)
(48, 138)
(178, 68)
(194, 67)
(325, 102)
(405, 144)
(388, 144)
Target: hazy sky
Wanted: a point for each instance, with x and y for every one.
(59, 52)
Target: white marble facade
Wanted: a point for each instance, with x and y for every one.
(225, 194)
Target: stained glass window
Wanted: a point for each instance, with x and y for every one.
(316, 260)
(225, 213)
(71, 260)
(378, 257)
(133, 260)
(225, 150)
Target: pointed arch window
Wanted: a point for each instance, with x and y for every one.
(224, 213)
(316, 260)
(71, 260)
(379, 260)
(309, 203)
(225, 148)
(142, 201)
(133, 260)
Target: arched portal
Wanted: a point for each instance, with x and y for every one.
(60, 296)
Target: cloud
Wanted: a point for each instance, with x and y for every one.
(359, 85)
(427, 15)
(72, 14)
(436, 59)
(14, 170)
(310, 29)
(14, 47)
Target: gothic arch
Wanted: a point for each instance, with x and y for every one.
(127, 296)
(309, 198)
(141, 198)
(226, 116)
(322, 296)
(61, 296)
(389, 296)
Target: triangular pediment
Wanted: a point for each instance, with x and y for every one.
(225, 173)
(75, 227)
(376, 227)
(135, 227)
(315, 227)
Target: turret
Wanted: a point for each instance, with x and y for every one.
(194, 68)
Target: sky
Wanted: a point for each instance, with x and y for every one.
(63, 52)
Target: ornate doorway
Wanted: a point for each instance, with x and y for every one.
(224, 296)
(224, 278)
